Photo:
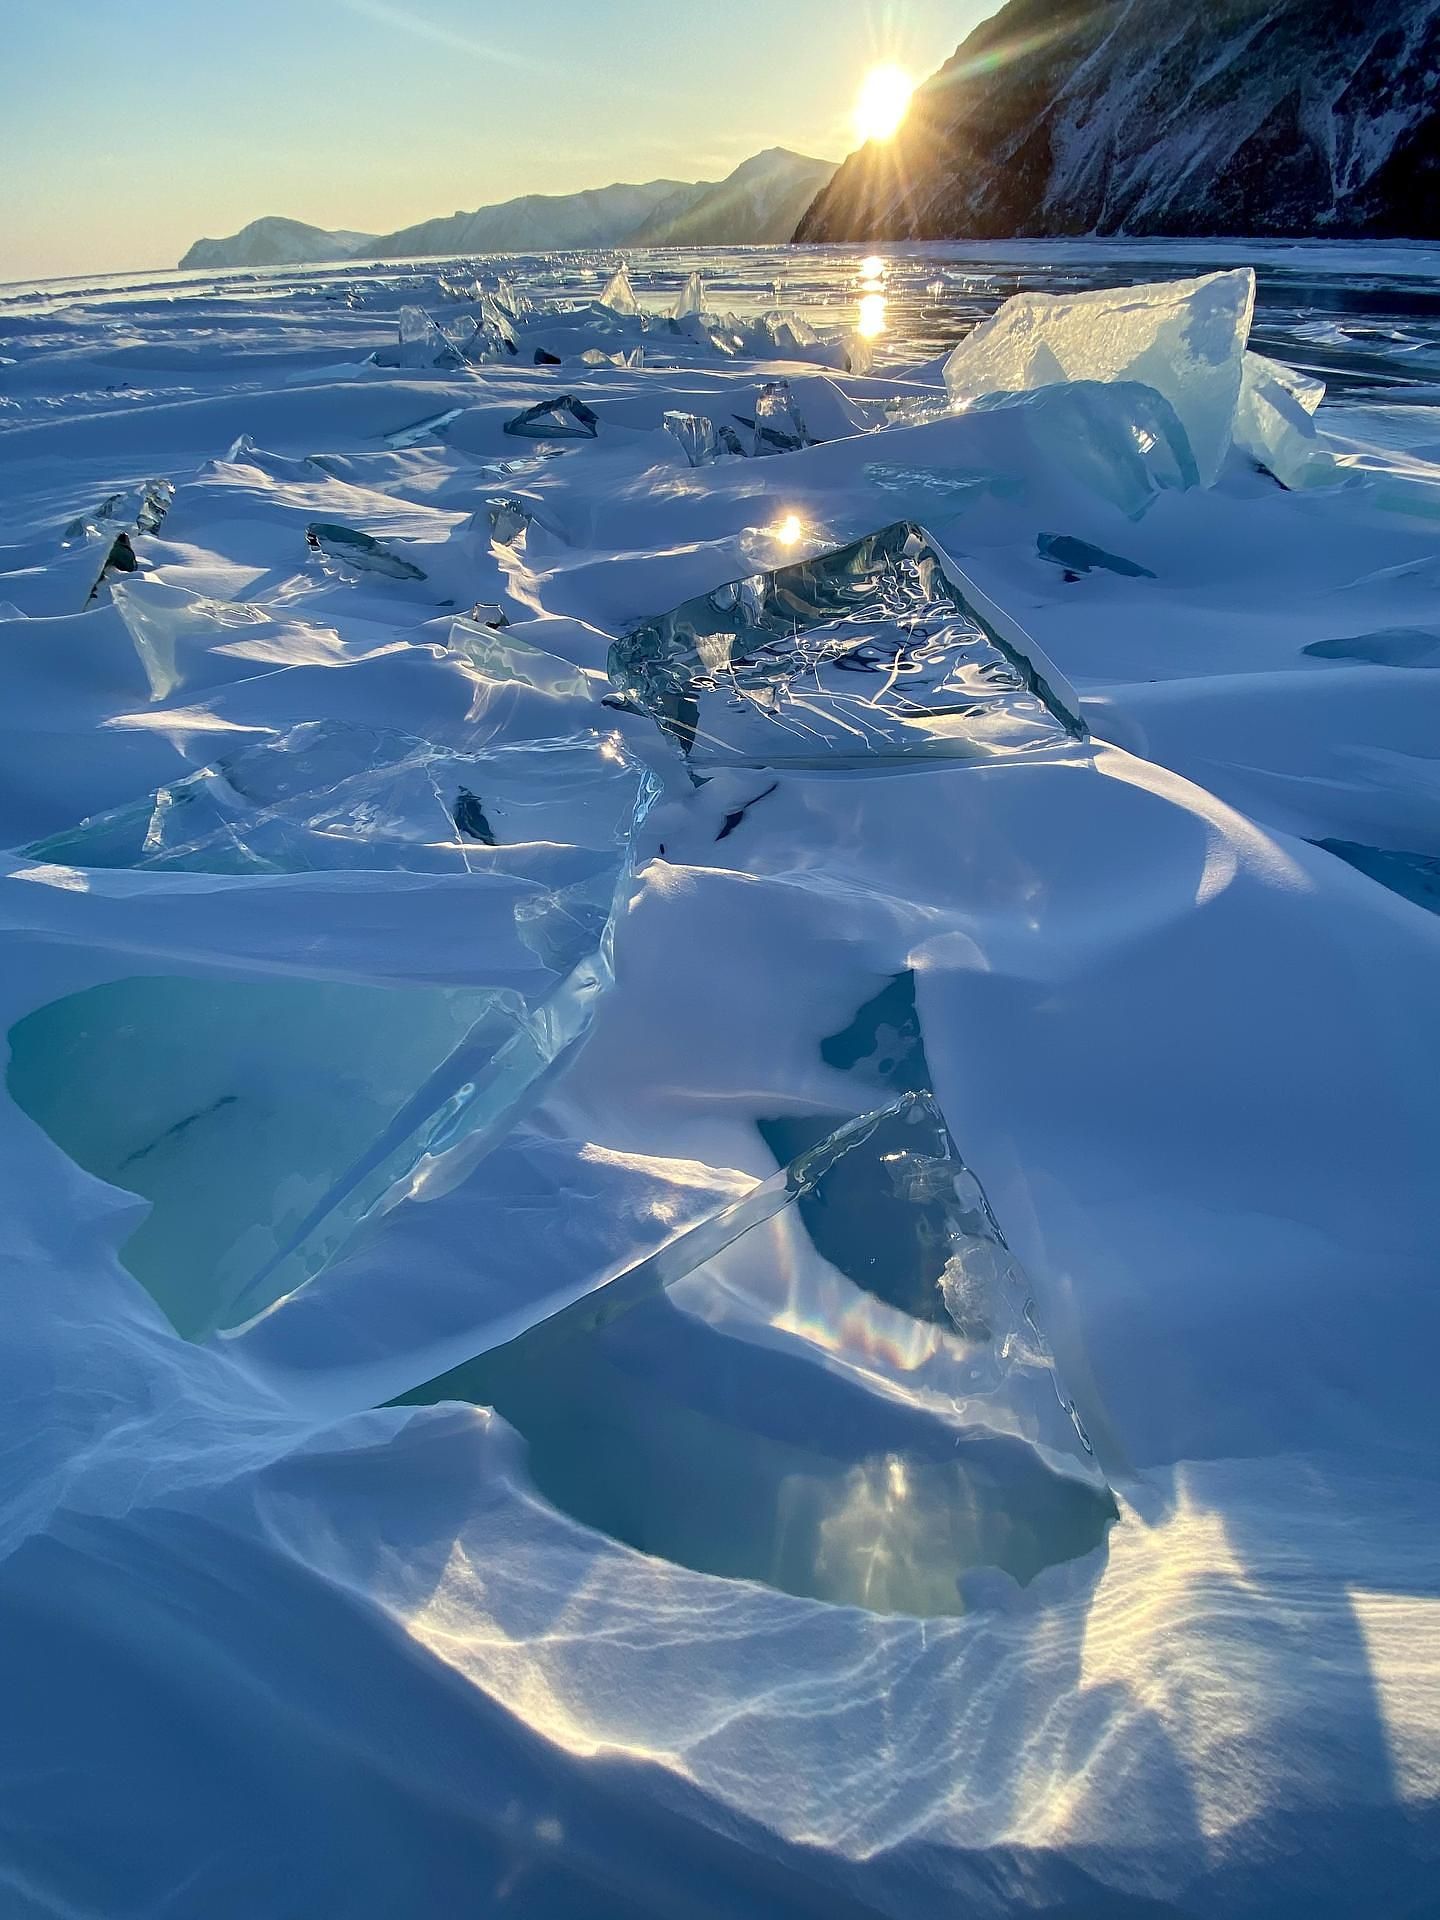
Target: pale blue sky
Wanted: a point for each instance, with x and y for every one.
(131, 127)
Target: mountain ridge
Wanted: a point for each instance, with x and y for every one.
(757, 203)
(275, 241)
(538, 222)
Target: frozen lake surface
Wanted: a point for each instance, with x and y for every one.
(720, 1099)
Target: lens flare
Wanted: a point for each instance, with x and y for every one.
(882, 103)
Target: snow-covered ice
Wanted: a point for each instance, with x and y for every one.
(717, 1168)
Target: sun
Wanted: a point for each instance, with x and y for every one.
(882, 102)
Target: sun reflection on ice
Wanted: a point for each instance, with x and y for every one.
(870, 318)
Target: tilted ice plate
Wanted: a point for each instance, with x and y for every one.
(876, 651)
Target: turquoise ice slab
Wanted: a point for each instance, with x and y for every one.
(264, 1118)
(359, 550)
(328, 795)
(230, 1105)
(867, 653)
(813, 1435)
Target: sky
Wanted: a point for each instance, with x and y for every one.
(132, 129)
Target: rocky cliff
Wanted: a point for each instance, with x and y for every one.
(1188, 117)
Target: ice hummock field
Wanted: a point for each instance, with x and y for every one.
(720, 1107)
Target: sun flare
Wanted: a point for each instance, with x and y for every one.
(882, 103)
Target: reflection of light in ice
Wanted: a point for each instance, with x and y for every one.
(782, 1282)
(787, 539)
(872, 267)
(870, 320)
(894, 1543)
(527, 1671)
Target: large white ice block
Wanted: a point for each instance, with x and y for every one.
(1274, 424)
(1184, 338)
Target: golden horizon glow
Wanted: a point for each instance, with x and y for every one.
(882, 103)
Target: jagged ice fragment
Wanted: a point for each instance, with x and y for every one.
(1184, 338)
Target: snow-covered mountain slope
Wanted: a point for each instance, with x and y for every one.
(757, 205)
(599, 217)
(1162, 117)
(275, 242)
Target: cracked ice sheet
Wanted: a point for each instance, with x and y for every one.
(1186, 1056)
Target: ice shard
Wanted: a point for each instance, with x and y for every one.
(868, 652)
(111, 523)
(496, 328)
(506, 518)
(1118, 439)
(422, 344)
(1274, 424)
(228, 1104)
(121, 555)
(857, 350)
(432, 427)
(619, 295)
(564, 418)
(139, 509)
(702, 440)
(358, 550)
(168, 626)
(788, 333)
(328, 795)
(503, 659)
(690, 301)
(777, 426)
(452, 286)
(518, 305)
(488, 613)
(485, 336)
(1184, 338)
(265, 1117)
(678, 1408)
